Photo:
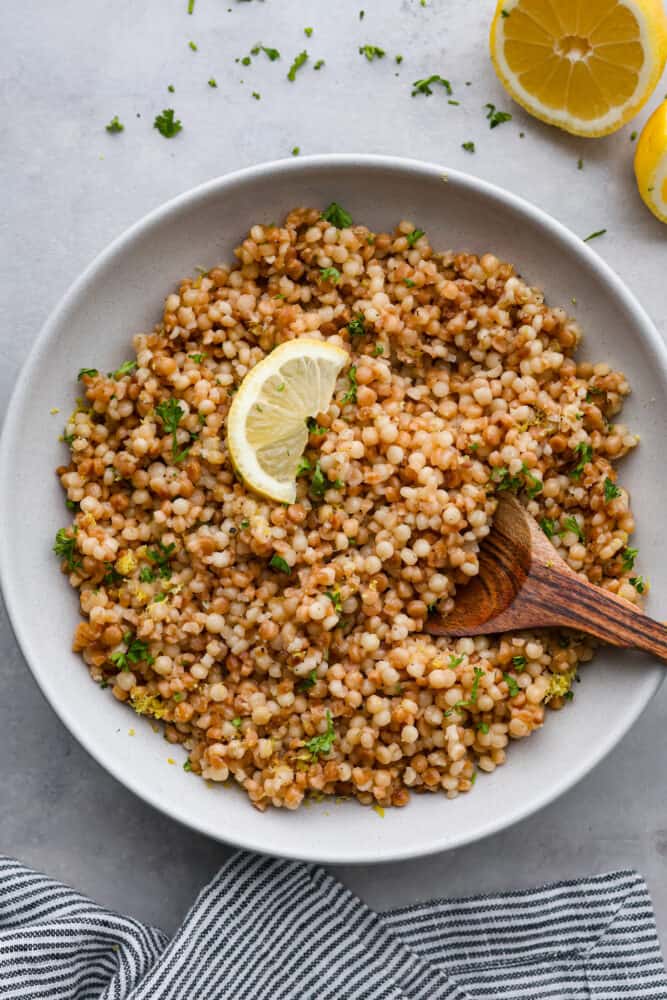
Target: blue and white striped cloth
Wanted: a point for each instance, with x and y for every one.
(267, 929)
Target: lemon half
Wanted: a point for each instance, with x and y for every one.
(587, 66)
(266, 425)
(651, 162)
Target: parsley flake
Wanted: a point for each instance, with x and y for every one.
(571, 524)
(331, 274)
(324, 742)
(87, 372)
(611, 490)
(585, 453)
(639, 583)
(512, 685)
(279, 564)
(115, 125)
(426, 86)
(594, 236)
(213, 82)
(337, 216)
(351, 394)
(171, 413)
(415, 235)
(371, 52)
(65, 547)
(166, 124)
(468, 146)
(628, 557)
(299, 61)
(126, 368)
(496, 118)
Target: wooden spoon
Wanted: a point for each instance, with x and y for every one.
(524, 583)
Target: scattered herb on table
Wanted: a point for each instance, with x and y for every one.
(171, 88)
(633, 136)
(307, 32)
(399, 59)
(580, 164)
(594, 236)
(371, 52)
(319, 64)
(468, 146)
(166, 124)
(213, 82)
(296, 150)
(193, 46)
(299, 61)
(256, 95)
(191, 6)
(426, 86)
(495, 117)
(273, 54)
(115, 125)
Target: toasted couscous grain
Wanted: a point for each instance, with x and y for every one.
(283, 647)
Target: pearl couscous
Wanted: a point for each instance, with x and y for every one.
(284, 646)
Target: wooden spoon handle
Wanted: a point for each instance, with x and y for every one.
(600, 613)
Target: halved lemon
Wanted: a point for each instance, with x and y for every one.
(587, 66)
(266, 425)
(651, 162)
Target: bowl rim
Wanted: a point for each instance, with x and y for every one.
(531, 213)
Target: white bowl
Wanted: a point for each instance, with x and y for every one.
(122, 293)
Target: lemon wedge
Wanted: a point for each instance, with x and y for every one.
(587, 66)
(651, 162)
(266, 425)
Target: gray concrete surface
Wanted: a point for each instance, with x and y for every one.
(68, 188)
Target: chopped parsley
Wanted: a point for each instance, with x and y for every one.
(478, 673)
(483, 727)
(112, 578)
(213, 82)
(256, 94)
(378, 350)
(187, 766)
(331, 274)
(505, 13)
(126, 368)
(171, 88)
(399, 59)
(585, 453)
(496, 118)
(351, 395)
(166, 124)
(319, 64)
(299, 61)
(571, 524)
(193, 46)
(633, 136)
(236, 722)
(415, 235)
(468, 146)
(639, 583)
(336, 600)
(178, 696)
(273, 54)
(362, 15)
(198, 358)
(319, 483)
(71, 504)
(505, 481)
(245, 523)
(426, 86)
(307, 32)
(308, 682)
(409, 282)
(65, 547)
(324, 742)
(594, 236)
(519, 663)
(628, 557)
(548, 527)
(191, 6)
(356, 327)
(337, 216)
(454, 661)
(171, 414)
(371, 52)
(160, 557)
(580, 164)
(279, 564)
(611, 490)
(296, 150)
(146, 574)
(90, 372)
(115, 125)
(314, 427)
(512, 685)
(303, 466)
(136, 651)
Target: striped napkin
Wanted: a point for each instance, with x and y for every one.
(267, 929)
